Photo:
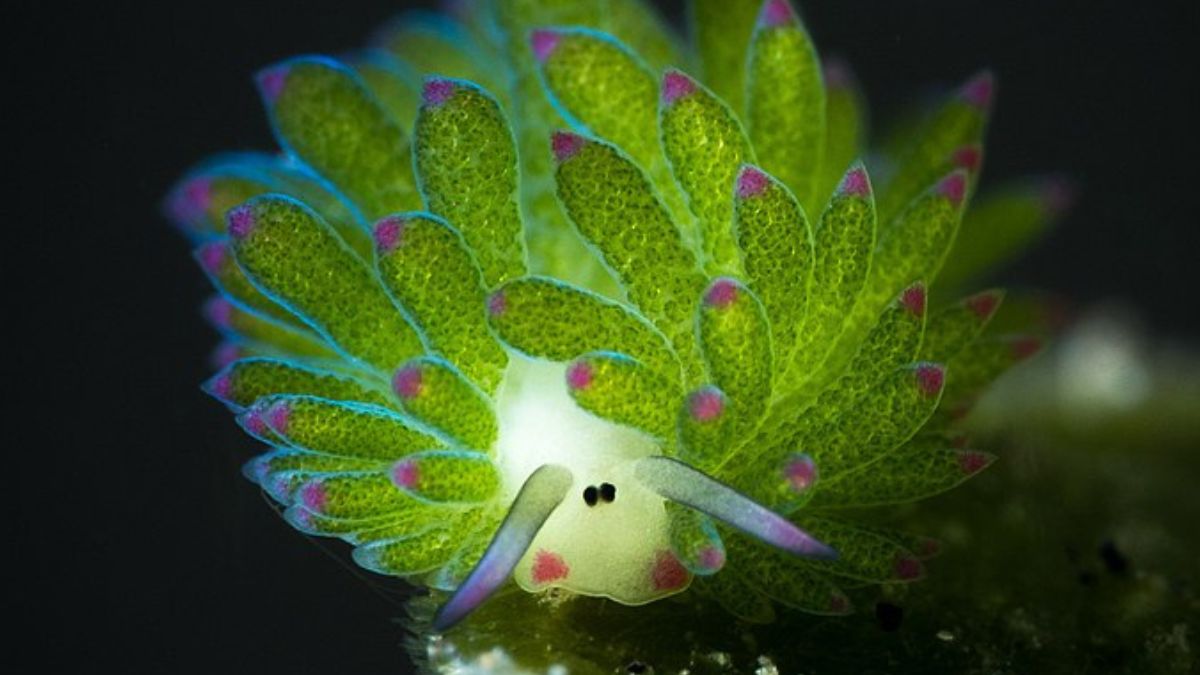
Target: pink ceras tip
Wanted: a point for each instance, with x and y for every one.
(407, 382)
(406, 474)
(676, 85)
(241, 222)
(751, 182)
(721, 294)
(913, 299)
(930, 378)
(706, 405)
(254, 422)
(953, 187)
(1025, 347)
(497, 303)
(836, 73)
(437, 91)
(580, 375)
(565, 145)
(712, 558)
(271, 82)
(908, 567)
(775, 13)
(855, 183)
(983, 304)
(968, 157)
(544, 42)
(313, 496)
(978, 91)
(221, 386)
(219, 312)
(972, 462)
(278, 417)
(388, 234)
(212, 256)
(192, 200)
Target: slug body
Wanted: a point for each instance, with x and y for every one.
(564, 314)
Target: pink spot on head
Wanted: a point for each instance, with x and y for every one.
(220, 386)
(219, 311)
(775, 13)
(225, 354)
(855, 183)
(908, 567)
(751, 182)
(389, 232)
(241, 221)
(838, 603)
(406, 473)
(913, 299)
(953, 187)
(930, 378)
(968, 157)
(800, 471)
(711, 557)
(437, 91)
(676, 85)
(979, 89)
(548, 567)
(278, 417)
(407, 382)
(706, 405)
(1058, 193)
(579, 375)
(1025, 346)
(972, 461)
(836, 73)
(253, 421)
(497, 303)
(212, 256)
(313, 496)
(565, 145)
(983, 304)
(668, 573)
(721, 294)
(544, 42)
(271, 81)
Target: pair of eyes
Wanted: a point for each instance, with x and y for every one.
(606, 492)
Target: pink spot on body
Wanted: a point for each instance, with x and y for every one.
(908, 568)
(676, 85)
(548, 567)
(930, 378)
(544, 42)
(706, 404)
(855, 183)
(800, 472)
(497, 303)
(972, 462)
(775, 13)
(278, 417)
(241, 222)
(565, 145)
(968, 157)
(408, 382)
(406, 473)
(668, 573)
(751, 182)
(389, 233)
(913, 299)
(271, 82)
(1025, 346)
(219, 311)
(580, 375)
(979, 89)
(953, 187)
(212, 256)
(721, 294)
(313, 496)
(437, 91)
(983, 304)
(711, 558)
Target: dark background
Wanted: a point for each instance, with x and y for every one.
(143, 548)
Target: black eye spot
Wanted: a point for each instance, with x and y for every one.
(590, 495)
(608, 492)
(636, 667)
